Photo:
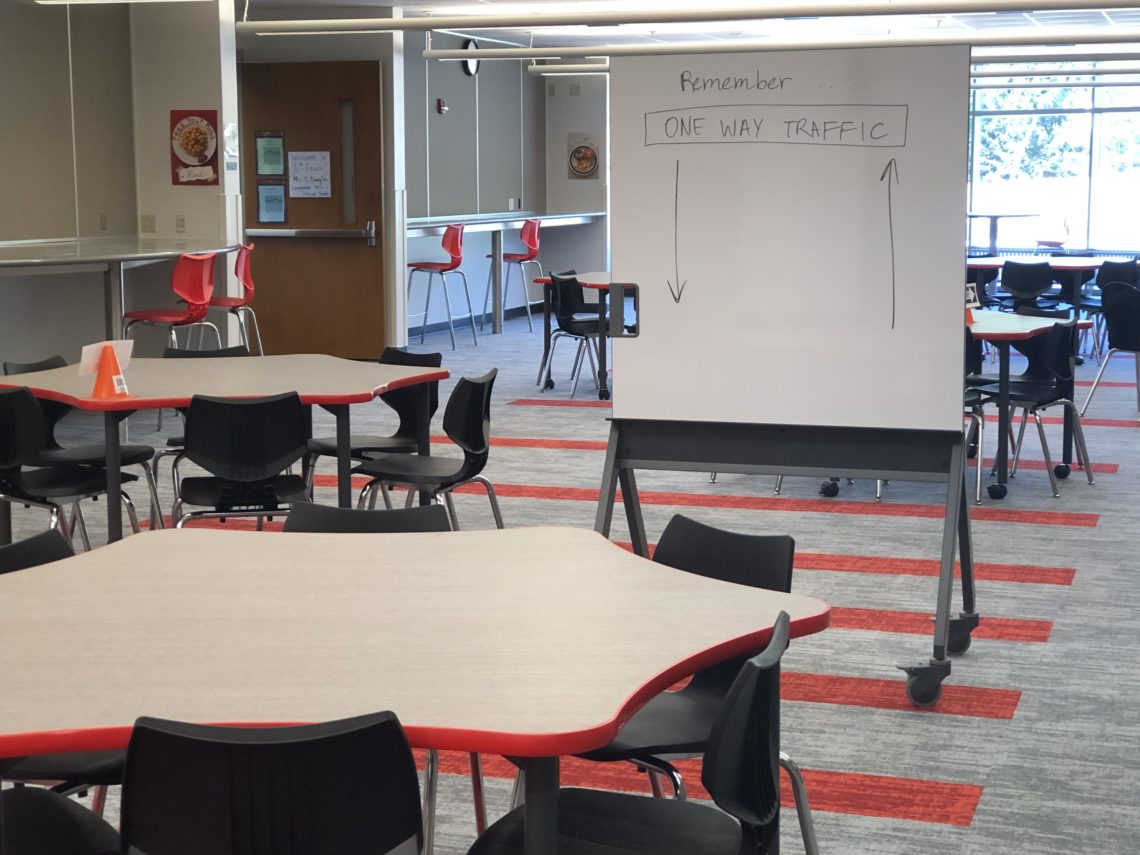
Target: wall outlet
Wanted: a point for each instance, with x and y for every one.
(511, 204)
(147, 224)
(574, 89)
(180, 223)
(102, 221)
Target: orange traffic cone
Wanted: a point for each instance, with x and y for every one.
(969, 316)
(109, 380)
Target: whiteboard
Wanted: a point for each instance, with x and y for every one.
(796, 223)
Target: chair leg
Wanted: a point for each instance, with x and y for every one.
(577, 370)
(431, 787)
(1017, 444)
(1137, 360)
(450, 503)
(662, 770)
(361, 501)
(447, 305)
(518, 789)
(251, 316)
(491, 497)
(1045, 452)
(779, 484)
(526, 288)
(1079, 439)
(156, 520)
(547, 368)
(98, 799)
(1100, 371)
(386, 495)
(427, 304)
(470, 308)
(132, 514)
(803, 808)
(81, 523)
(477, 798)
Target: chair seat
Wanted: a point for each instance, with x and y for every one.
(439, 266)
(91, 455)
(213, 492)
(163, 316)
(1024, 393)
(362, 445)
(594, 822)
(228, 302)
(412, 469)
(520, 256)
(671, 723)
(60, 482)
(97, 768)
(40, 822)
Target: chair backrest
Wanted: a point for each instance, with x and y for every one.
(757, 560)
(741, 768)
(23, 428)
(193, 280)
(242, 272)
(305, 516)
(1120, 302)
(1026, 281)
(181, 353)
(1060, 353)
(1118, 271)
(467, 420)
(337, 788)
(246, 439)
(406, 401)
(453, 243)
(46, 546)
(567, 299)
(53, 411)
(529, 236)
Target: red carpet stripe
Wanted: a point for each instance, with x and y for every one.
(983, 571)
(938, 802)
(1111, 384)
(559, 402)
(778, 503)
(991, 418)
(922, 623)
(972, 701)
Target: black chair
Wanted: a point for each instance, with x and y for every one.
(467, 423)
(1120, 301)
(1045, 385)
(23, 433)
(1092, 297)
(246, 444)
(406, 402)
(75, 771)
(576, 319)
(741, 772)
(54, 454)
(337, 788)
(306, 516)
(1025, 283)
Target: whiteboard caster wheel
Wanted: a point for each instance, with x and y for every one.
(997, 491)
(829, 489)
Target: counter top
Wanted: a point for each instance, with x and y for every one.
(102, 250)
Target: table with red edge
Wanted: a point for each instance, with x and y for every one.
(598, 282)
(1001, 328)
(532, 643)
(332, 383)
(1074, 264)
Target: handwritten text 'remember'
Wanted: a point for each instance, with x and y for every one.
(694, 83)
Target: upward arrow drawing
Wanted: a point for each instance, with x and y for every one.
(890, 174)
(680, 287)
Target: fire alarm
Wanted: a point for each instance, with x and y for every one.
(440, 106)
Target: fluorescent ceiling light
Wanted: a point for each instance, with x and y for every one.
(567, 69)
(107, 2)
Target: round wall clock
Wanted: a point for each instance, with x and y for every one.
(471, 66)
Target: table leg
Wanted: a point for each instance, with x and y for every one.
(5, 523)
(423, 431)
(113, 301)
(993, 235)
(603, 375)
(540, 809)
(111, 419)
(547, 306)
(343, 454)
(1001, 459)
(497, 282)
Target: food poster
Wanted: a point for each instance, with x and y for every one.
(583, 155)
(194, 146)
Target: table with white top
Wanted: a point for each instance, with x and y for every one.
(533, 642)
(108, 254)
(330, 382)
(994, 217)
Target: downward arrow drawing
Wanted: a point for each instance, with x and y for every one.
(679, 289)
(891, 170)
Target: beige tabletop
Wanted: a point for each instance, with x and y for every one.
(990, 325)
(1057, 262)
(529, 642)
(153, 383)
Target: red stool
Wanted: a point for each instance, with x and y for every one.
(529, 237)
(193, 282)
(453, 246)
(239, 306)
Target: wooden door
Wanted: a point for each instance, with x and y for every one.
(316, 294)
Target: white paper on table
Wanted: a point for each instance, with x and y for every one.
(89, 359)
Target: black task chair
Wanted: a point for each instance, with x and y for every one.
(246, 444)
(467, 423)
(1092, 297)
(1035, 393)
(54, 454)
(406, 402)
(337, 788)
(1120, 302)
(23, 433)
(741, 771)
(306, 516)
(576, 319)
(75, 771)
(1025, 283)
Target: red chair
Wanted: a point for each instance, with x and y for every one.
(239, 306)
(529, 237)
(193, 282)
(453, 246)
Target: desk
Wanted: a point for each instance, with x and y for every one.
(109, 254)
(1075, 264)
(327, 381)
(496, 224)
(532, 642)
(600, 283)
(1000, 328)
(993, 218)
